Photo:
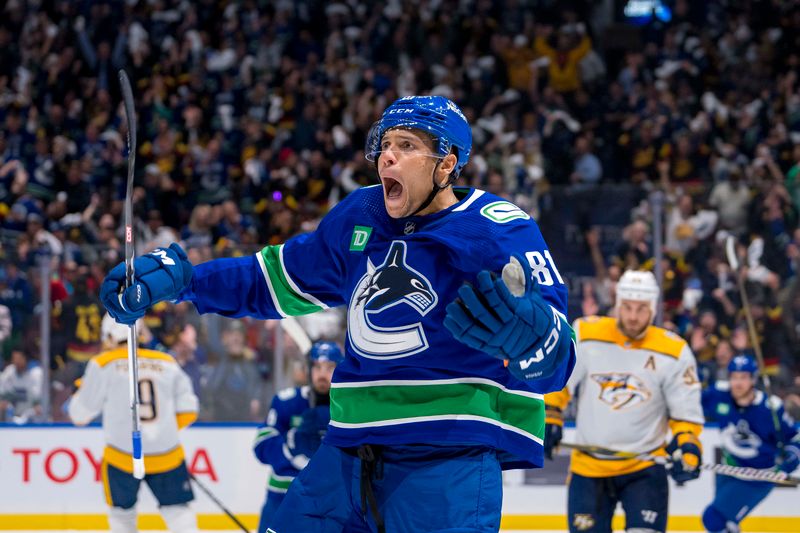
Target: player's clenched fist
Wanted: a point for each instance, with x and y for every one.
(508, 318)
(160, 275)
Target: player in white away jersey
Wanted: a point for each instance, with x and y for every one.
(636, 382)
(168, 404)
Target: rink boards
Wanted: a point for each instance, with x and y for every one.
(51, 480)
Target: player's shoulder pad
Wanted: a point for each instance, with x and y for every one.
(493, 208)
(596, 328)
(773, 402)
(105, 358)
(722, 386)
(663, 341)
(287, 394)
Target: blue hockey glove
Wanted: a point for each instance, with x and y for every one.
(515, 325)
(789, 458)
(686, 453)
(304, 440)
(160, 275)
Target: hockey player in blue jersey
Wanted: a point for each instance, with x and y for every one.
(750, 439)
(295, 424)
(456, 328)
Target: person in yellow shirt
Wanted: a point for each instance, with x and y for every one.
(562, 68)
(168, 403)
(636, 382)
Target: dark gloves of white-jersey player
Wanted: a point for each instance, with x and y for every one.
(509, 319)
(686, 453)
(553, 429)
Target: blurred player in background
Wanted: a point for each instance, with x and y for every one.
(446, 361)
(168, 404)
(749, 438)
(637, 382)
(293, 430)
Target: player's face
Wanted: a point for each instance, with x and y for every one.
(741, 386)
(634, 317)
(407, 168)
(321, 374)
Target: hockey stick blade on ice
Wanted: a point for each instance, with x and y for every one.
(133, 362)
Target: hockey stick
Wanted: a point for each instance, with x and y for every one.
(293, 328)
(133, 361)
(740, 472)
(733, 261)
(219, 503)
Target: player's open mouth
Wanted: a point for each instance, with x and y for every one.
(392, 187)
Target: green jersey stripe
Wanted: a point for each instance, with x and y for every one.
(279, 483)
(421, 382)
(417, 419)
(287, 301)
(310, 298)
(356, 405)
(267, 278)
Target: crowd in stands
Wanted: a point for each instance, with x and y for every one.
(252, 119)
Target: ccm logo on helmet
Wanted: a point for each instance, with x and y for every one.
(398, 111)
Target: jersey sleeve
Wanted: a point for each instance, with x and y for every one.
(186, 402)
(270, 443)
(301, 276)
(682, 391)
(88, 400)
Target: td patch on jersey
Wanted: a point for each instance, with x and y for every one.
(385, 307)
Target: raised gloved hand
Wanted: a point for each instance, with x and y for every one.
(789, 458)
(158, 276)
(304, 440)
(553, 430)
(509, 319)
(686, 453)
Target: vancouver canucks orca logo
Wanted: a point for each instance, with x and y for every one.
(740, 441)
(393, 283)
(621, 390)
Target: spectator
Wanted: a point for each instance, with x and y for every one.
(235, 390)
(21, 389)
(588, 169)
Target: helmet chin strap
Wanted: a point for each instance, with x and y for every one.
(434, 190)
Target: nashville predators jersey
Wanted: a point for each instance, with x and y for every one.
(168, 403)
(630, 392)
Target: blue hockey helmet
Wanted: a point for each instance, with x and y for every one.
(325, 351)
(743, 363)
(437, 116)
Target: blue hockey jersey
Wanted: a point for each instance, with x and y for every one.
(747, 434)
(405, 379)
(270, 448)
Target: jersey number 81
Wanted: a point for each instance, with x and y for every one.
(541, 267)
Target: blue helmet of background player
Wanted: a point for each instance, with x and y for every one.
(743, 363)
(325, 351)
(437, 116)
